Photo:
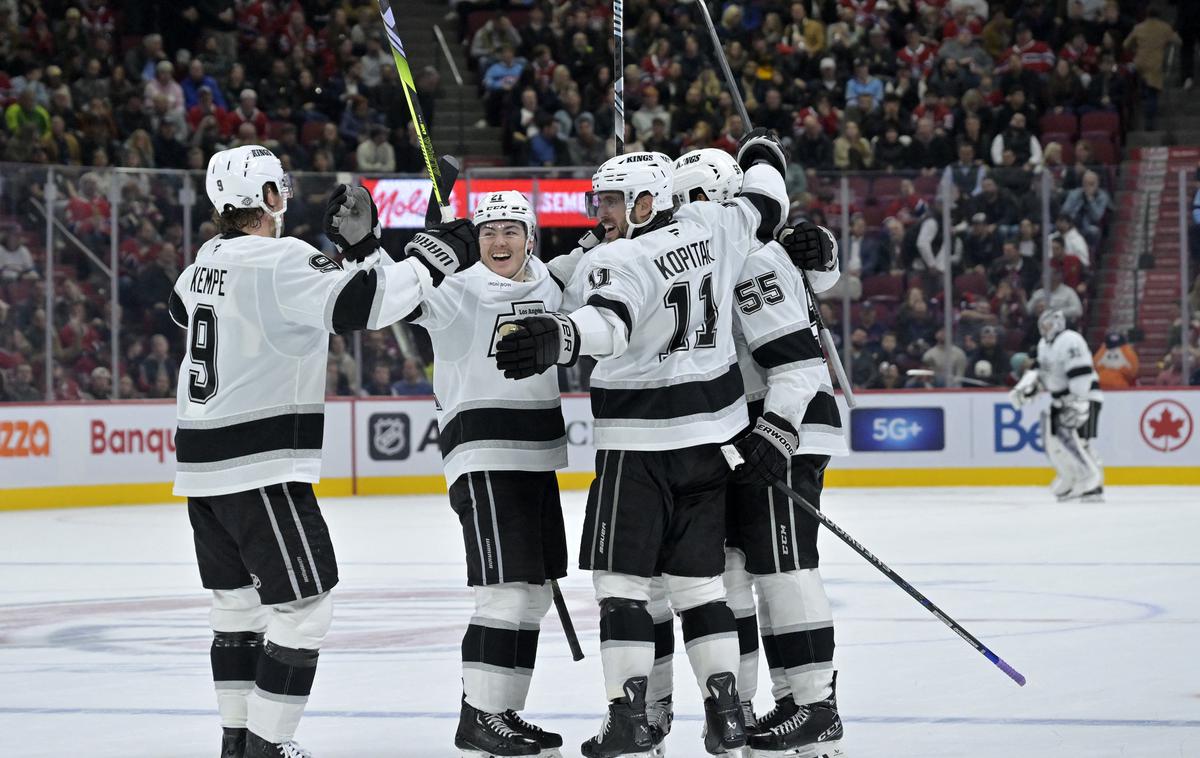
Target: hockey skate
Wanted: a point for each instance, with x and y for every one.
(784, 709)
(748, 717)
(724, 724)
(233, 742)
(625, 732)
(549, 742)
(812, 731)
(660, 714)
(488, 735)
(257, 747)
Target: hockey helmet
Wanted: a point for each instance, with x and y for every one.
(236, 177)
(1051, 323)
(709, 170)
(508, 205)
(634, 174)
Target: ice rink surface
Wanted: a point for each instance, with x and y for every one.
(104, 638)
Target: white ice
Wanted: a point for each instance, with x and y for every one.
(104, 639)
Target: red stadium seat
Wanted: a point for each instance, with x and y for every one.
(1101, 121)
(1064, 123)
(1103, 151)
(874, 215)
(275, 129)
(972, 281)
(1061, 138)
(886, 185)
(885, 285)
(927, 186)
(311, 132)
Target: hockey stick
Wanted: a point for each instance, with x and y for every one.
(835, 360)
(734, 459)
(619, 76)
(414, 109)
(564, 616)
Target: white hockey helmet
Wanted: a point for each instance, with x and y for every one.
(508, 205)
(634, 174)
(1051, 323)
(712, 171)
(236, 177)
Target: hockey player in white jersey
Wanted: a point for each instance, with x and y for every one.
(501, 442)
(258, 308)
(771, 548)
(1064, 369)
(653, 305)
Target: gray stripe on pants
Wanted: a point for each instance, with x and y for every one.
(303, 539)
(283, 551)
(612, 529)
(487, 478)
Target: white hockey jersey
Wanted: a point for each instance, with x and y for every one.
(672, 380)
(258, 313)
(780, 356)
(1064, 367)
(487, 422)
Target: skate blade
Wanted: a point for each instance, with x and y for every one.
(822, 750)
(550, 752)
(471, 753)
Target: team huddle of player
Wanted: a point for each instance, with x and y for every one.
(690, 294)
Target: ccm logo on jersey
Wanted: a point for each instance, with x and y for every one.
(324, 263)
(24, 439)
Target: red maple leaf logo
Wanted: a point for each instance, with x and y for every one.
(1166, 425)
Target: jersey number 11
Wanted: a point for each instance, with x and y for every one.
(679, 300)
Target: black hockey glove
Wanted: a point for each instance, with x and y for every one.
(352, 222)
(766, 450)
(762, 145)
(445, 249)
(531, 345)
(810, 247)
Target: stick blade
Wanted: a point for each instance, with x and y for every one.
(448, 168)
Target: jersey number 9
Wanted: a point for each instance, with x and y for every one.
(202, 378)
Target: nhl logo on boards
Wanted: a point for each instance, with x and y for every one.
(599, 277)
(390, 435)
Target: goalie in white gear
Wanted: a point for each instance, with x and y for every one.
(258, 308)
(654, 306)
(1064, 369)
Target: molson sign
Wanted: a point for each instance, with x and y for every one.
(402, 202)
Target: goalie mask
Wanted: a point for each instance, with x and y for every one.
(236, 178)
(711, 171)
(1051, 323)
(633, 175)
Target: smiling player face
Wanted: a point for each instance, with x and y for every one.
(502, 247)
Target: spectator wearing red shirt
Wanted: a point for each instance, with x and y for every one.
(297, 33)
(1036, 56)
(206, 106)
(962, 19)
(918, 55)
(139, 250)
(88, 209)
(1079, 53)
(1070, 267)
(247, 112)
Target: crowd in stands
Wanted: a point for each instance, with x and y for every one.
(902, 96)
